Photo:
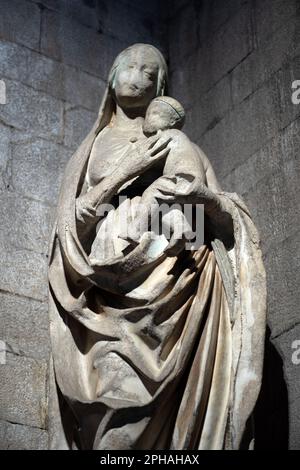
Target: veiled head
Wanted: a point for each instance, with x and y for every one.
(138, 75)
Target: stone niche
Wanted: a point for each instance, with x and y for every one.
(231, 65)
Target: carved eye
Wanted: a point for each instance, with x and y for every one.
(149, 74)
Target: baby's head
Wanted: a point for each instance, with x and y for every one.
(163, 113)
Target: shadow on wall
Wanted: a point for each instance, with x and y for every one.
(271, 422)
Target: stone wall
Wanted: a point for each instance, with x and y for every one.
(232, 66)
(232, 63)
(54, 59)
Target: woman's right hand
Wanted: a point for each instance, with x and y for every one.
(142, 157)
(157, 146)
(146, 153)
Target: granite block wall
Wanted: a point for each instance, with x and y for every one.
(232, 66)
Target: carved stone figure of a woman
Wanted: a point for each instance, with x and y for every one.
(154, 346)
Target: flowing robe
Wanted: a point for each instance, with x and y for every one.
(152, 351)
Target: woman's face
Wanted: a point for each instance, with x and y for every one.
(136, 79)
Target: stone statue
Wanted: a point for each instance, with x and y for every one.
(154, 346)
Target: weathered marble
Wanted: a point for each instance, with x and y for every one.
(154, 346)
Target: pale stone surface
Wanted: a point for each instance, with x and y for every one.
(22, 393)
(26, 223)
(23, 272)
(26, 109)
(50, 76)
(31, 68)
(21, 437)
(24, 325)
(37, 168)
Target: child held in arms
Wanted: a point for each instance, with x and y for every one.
(183, 170)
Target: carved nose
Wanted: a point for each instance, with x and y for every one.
(133, 87)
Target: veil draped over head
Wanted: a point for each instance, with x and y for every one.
(171, 357)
